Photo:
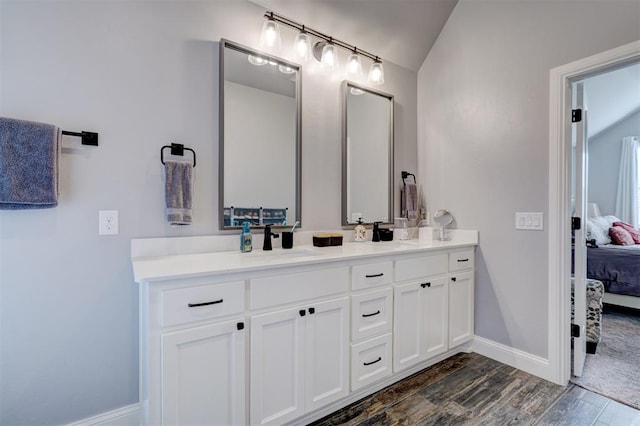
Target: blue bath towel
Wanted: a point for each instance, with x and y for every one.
(28, 164)
(178, 191)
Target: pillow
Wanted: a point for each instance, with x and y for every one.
(630, 229)
(595, 231)
(620, 236)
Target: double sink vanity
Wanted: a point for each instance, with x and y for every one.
(289, 336)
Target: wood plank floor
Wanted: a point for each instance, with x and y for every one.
(474, 390)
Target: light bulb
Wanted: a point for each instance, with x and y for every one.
(302, 46)
(329, 56)
(285, 69)
(270, 38)
(354, 66)
(376, 73)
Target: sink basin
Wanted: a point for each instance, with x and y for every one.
(281, 253)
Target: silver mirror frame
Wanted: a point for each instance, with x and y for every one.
(346, 86)
(224, 44)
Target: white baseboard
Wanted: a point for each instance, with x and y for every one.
(516, 358)
(124, 416)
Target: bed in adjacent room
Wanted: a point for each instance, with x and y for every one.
(616, 266)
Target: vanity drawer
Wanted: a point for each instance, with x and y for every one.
(283, 289)
(423, 266)
(371, 275)
(370, 361)
(371, 313)
(197, 303)
(459, 260)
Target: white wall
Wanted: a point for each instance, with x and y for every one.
(143, 74)
(483, 136)
(604, 162)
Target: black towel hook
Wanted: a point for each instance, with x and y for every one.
(177, 149)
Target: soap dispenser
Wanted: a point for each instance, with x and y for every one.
(359, 232)
(376, 232)
(246, 243)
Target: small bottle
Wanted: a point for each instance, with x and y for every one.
(359, 232)
(246, 244)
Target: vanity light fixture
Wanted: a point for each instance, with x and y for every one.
(302, 45)
(354, 65)
(270, 38)
(376, 73)
(325, 50)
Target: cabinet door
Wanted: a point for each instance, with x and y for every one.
(327, 352)
(435, 297)
(277, 366)
(407, 326)
(461, 303)
(203, 375)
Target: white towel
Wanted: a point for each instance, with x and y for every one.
(178, 191)
(409, 201)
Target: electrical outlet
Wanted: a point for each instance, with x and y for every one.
(108, 222)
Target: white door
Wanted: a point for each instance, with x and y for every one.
(327, 352)
(461, 304)
(407, 326)
(579, 130)
(203, 378)
(435, 303)
(277, 366)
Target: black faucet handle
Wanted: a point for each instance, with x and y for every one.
(275, 235)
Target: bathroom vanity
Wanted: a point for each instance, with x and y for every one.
(284, 336)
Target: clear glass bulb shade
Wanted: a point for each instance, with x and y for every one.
(270, 38)
(330, 56)
(302, 46)
(354, 66)
(376, 74)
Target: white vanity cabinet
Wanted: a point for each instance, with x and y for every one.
(433, 306)
(299, 355)
(231, 339)
(192, 346)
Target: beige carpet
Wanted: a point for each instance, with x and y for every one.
(614, 370)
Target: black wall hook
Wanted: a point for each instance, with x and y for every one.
(177, 149)
(406, 175)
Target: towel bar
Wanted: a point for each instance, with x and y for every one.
(177, 149)
(407, 174)
(88, 138)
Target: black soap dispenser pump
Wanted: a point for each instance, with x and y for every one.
(376, 232)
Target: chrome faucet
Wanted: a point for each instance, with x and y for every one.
(266, 245)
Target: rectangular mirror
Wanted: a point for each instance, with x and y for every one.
(260, 109)
(367, 155)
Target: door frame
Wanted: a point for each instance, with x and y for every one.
(559, 273)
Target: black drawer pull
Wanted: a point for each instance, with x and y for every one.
(463, 260)
(423, 285)
(195, 305)
(302, 312)
(370, 315)
(240, 326)
(374, 275)
(453, 279)
(312, 311)
(372, 362)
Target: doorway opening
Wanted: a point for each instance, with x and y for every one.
(605, 151)
(560, 206)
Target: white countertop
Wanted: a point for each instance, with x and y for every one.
(170, 266)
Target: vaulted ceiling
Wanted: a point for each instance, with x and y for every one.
(403, 32)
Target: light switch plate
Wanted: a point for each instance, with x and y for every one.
(530, 221)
